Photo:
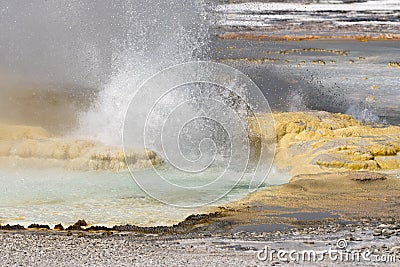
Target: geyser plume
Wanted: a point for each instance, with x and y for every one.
(157, 35)
(112, 46)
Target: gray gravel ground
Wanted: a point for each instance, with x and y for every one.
(20, 249)
(30, 248)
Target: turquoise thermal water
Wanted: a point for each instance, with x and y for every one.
(101, 198)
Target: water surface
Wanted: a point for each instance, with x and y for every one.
(101, 198)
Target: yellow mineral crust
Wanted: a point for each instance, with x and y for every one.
(18, 132)
(338, 164)
(32, 147)
(316, 141)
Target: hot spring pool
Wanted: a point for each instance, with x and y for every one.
(101, 198)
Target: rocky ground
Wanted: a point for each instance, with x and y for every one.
(23, 248)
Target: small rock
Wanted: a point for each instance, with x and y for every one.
(59, 227)
(349, 237)
(381, 226)
(388, 232)
(74, 228)
(80, 234)
(80, 223)
(11, 227)
(38, 226)
(377, 232)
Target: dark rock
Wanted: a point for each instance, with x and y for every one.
(367, 176)
(127, 227)
(74, 228)
(182, 227)
(349, 237)
(108, 233)
(80, 223)
(377, 232)
(38, 226)
(98, 228)
(59, 227)
(12, 227)
(199, 217)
